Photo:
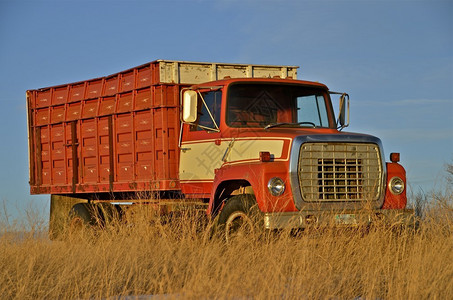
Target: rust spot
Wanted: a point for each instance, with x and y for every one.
(133, 185)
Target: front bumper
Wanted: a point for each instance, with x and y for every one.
(345, 218)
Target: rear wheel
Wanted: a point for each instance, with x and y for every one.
(82, 216)
(240, 217)
(60, 207)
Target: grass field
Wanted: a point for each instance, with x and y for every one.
(182, 261)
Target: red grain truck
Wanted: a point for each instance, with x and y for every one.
(224, 137)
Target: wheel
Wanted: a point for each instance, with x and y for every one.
(108, 214)
(240, 217)
(60, 207)
(82, 215)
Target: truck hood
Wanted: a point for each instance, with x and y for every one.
(293, 133)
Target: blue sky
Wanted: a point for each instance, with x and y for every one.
(394, 58)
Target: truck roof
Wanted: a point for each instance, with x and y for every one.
(228, 81)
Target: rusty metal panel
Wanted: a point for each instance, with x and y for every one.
(128, 81)
(42, 116)
(58, 154)
(111, 85)
(57, 114)
(144, 145)
(31, 140)
(68, 153)
(144, 76)
(73, 111)
(94, 88)
(125, 147)
(125, 102)
(43, 98)
(77, 92)
(116, 133)
(89, 109)
(183, 72)
(104, 168)
(46, 172)
(88, 144)
(107, 106)
(60, 95)
(75, 155)
(143, 99)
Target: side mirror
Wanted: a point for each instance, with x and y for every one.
(343, 118)
(189, 106)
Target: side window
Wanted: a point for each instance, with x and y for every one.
(209, 111)
(312, 109)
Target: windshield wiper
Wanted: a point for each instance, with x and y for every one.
(285, 123)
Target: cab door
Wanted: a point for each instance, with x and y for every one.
(201, 146)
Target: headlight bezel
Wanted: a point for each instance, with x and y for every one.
(276, 186)
(396, 185)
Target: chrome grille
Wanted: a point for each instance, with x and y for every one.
(340, 172)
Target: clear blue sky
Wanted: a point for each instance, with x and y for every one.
(394, 58)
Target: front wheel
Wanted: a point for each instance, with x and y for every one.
(240, 218)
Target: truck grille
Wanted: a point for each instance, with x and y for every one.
(340, 172)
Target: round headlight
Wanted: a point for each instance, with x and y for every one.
(396, 185)
(276, 186)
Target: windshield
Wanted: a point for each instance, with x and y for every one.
(263, 104)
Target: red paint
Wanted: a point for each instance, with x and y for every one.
(395, 201)
(258, 175)
(145, 131)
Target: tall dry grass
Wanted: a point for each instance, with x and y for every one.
(182, 261)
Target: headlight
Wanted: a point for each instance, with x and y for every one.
(276, 186)
(396, 185)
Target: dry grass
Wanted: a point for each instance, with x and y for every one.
(182, 261)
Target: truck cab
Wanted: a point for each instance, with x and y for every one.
(278, 143)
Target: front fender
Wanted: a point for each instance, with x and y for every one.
(256, 175)
(393, 201)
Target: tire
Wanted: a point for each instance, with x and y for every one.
(240, 217)
(108, 214)
(60, 207)
(82, 215)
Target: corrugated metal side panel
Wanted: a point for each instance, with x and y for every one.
(118, 133)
